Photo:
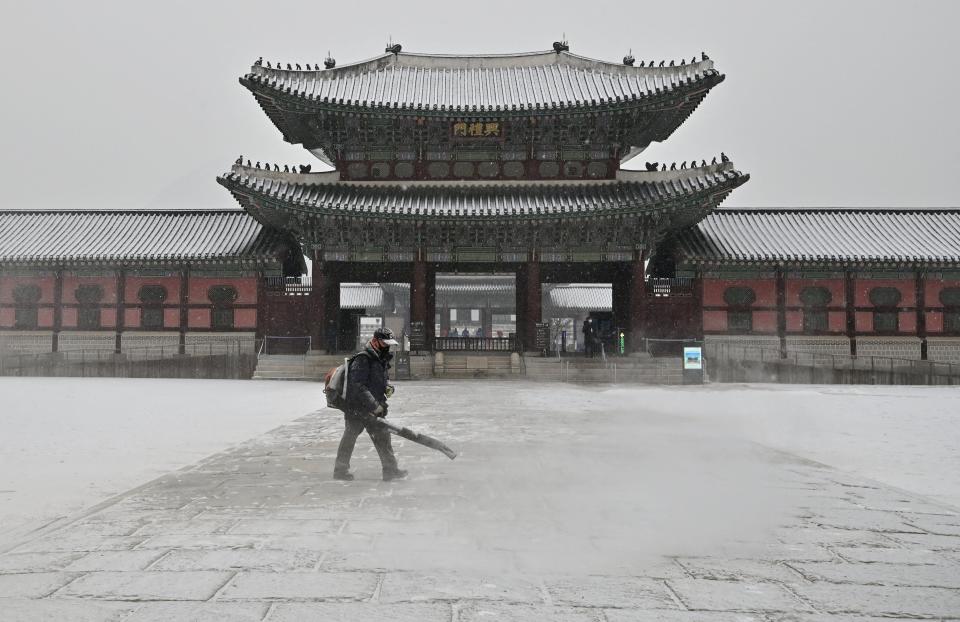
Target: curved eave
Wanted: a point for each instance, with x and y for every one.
(527, 202)
(128, 261)
(825, 262)
(308, 102)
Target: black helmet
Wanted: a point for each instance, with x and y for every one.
(386, 336)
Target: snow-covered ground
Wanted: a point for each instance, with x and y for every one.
(907, 437)
(68, 443)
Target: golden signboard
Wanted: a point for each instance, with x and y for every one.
(476, 129)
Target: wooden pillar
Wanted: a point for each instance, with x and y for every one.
(431, 295)
(184, 301)
(638, 302)
(921, 303)
(316, 323)
(620, 298)
(533, 313)
(421, 300)
(698, 304)
(121, 309)
(444, 320)
(849, 293)
(57, 309)
(520, 296)
(261, 304)
(781, 311)
(330, 322)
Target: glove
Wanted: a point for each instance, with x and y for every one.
(388, 392)
(380, 411)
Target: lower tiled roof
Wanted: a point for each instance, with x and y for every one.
(829, 236)
(60, 237)
(633, 191)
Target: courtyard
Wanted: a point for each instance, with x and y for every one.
(738, 502)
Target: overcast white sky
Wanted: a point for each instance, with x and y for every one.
(136, 104)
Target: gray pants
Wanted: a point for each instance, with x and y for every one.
(353, 426)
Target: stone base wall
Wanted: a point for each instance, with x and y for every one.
(137, 345)
(890, 347)
(100, 340)
(819, 345)
(219, 343)
(943, 349)
(25, 342)
(747, 341)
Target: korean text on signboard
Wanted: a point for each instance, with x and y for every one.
(476, 129)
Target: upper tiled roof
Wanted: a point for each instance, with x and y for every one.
(632, 191)
(826, 236)
(471, 83)
(97, 236)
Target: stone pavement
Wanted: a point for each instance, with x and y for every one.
(550, 513)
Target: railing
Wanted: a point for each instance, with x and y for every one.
(223, 358)
(274, 344)
(475, 344)
(288, 285)
(891, 366)
(668, 347)
(681, 286)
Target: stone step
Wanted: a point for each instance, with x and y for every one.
(673, 365)
(280, 375)
(632, 370)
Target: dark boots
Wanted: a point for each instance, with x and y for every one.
(392, 474)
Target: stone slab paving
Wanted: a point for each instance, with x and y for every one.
(546, 515)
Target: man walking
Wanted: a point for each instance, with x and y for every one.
(366, 401)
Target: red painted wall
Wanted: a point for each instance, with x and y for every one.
(171, 318)
(198, 318)
(908, 321)
(934, 322)
(197, 294)
(45, 318)
(134, 283)
(108, 318)
(8, 283)
(862, 287)
(131, 318)
(934, 287)
(197, 288)
(108, 284)
(68, 318)
(793, 287)
(765, 289)
(765, 322)
(837, 321)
